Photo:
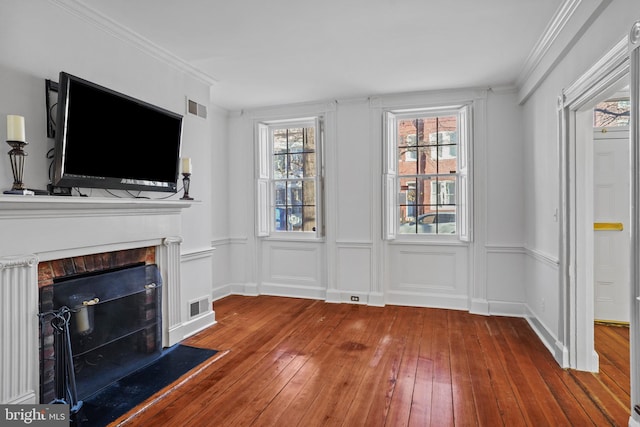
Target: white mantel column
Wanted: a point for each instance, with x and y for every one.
(19, 357)
(168, 260)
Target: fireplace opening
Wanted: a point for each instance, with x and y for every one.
(115, 326)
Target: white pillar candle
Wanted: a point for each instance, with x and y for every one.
(15, 128)
(82, 320)
(186, 165)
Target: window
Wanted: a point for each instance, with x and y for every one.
(612, 113)
(426, 172)
(289, 181)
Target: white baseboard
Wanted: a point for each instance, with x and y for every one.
(294, 291)
(446, 301)
(196, 325)
(547, 337)
(511, 309)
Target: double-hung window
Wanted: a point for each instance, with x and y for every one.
(289, 177)
(427, 188)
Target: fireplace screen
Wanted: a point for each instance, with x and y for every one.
(115, 326)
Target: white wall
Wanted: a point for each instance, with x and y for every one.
(40, 38)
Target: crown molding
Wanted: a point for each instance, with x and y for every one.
(609, 69)
(119, 31)
(569, 22)
(549, 36)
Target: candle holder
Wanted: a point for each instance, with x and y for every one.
(186, 182)
(16, 157)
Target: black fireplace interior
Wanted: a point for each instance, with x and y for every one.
(115, 326)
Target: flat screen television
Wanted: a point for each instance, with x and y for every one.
(105, 139)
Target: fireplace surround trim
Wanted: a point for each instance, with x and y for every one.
(61, 228)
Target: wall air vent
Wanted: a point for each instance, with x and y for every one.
(196, 109)
(199, 306)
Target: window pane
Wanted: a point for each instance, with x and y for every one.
(431, 220)
(411, 131)
(309, 193)
(427, 160)
(280, 216)
(294, 218)
(407, 199)
(280, 166)
(612, 113)
(310, 139)
(296, 139)
(280, 190)
(407, 157)
(309, 165)
(309, 218)
(296, 163)
(294, 193)
(445, 191)
(280, 141)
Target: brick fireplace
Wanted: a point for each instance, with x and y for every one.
(45, 236)
(51, 273)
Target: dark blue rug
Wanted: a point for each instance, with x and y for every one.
(121, 396)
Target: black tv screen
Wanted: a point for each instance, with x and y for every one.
(105, 139)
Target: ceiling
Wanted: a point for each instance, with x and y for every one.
(287, 51)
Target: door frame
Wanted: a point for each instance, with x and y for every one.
(634, 154)
(576, 231)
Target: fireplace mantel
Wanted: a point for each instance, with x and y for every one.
(56, 226)
(35, 204)
(39, 228)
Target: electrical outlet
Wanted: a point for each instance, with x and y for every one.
(355, 298)
(542, 304)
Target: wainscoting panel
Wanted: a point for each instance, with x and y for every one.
(354, 265)
(505, 280)
(196, 267)
(433, 276)
(221, 269)
(292, 269)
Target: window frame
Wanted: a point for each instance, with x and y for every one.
(265, 182)
(392, 178)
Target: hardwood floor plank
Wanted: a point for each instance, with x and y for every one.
(423, 385)
(304, 362)
(402, 398)
(486, 395)
(506, 400)
(441, 413)
(464, 411)
(521, 372)
(370, 370)
(352, 348)
(274, 399)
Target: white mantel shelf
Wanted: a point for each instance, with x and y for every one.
(14, 202)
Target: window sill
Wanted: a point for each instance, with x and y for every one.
(294, 237)
(428, 240)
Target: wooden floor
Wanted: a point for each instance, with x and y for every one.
(289, 362)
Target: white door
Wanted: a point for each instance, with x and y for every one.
(611, 225)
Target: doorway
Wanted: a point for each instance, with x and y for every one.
(577, 241)
(611, 210)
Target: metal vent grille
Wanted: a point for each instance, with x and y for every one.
(198, 307)
(196, 109)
